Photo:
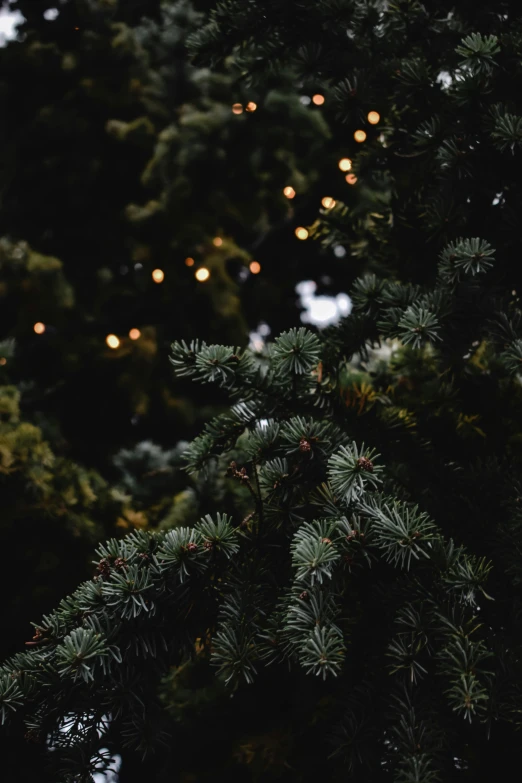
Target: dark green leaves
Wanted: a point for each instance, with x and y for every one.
(210, 363)
(78, 654)
(478, 52)
(512, 357)
(417, 326)
(11, 696)
(189, 550)
(401, 531)
(127, 590)
(465, 258)
(507, 133)
(324, 652)
(219, 535)
(313, 552)
(352, 471)
(296, 351)
(182, 548)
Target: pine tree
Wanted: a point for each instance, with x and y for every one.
(357, 588)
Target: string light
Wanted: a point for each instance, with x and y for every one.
(202, 274)
(255, 267)
(3, 361)
(112, 341)
(237, 108)
(158, 275)
(301, 233)
(328, 202)
(289, 191)
(134, 334)
(351, 179)
(345, 164)
(374, 117)
(217, 241)
(318, 99)
(360, 136)
(189, 262)
(251, 106)
(39, 328)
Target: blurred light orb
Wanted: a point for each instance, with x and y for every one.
(360, 136)
(328, 202)
(374, 117)
(134, 334)
(345, 164)
(112, 341)
(202, 274)
(255, 267)
(289, 192)
(39, 327)
(301, 233)
(158, 275)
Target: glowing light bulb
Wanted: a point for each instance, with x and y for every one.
(374, 117)
(328, 202)
(351, 179)
(134, 334)
(202, 274)
(112, 341)
(158, 275)
(318, 99)
(217, 241)
(39, 328)
(289, 191)
(189, 262)
(251, 106)
(360, 136)
(237, 108)
(345, 164)
(301, 233)
(255, 267)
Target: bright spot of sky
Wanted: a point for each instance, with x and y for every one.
(445, 79)
(8, 22)
(111, 776)
(51, 14)
(322, 310)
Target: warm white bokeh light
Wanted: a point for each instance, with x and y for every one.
(112, 341)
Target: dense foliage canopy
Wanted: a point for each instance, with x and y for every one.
(338, 594)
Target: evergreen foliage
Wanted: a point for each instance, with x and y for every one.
(118, 157)
(382, 574)
(346, 604)
(55, 511)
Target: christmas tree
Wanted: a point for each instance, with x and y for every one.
(337, 593)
